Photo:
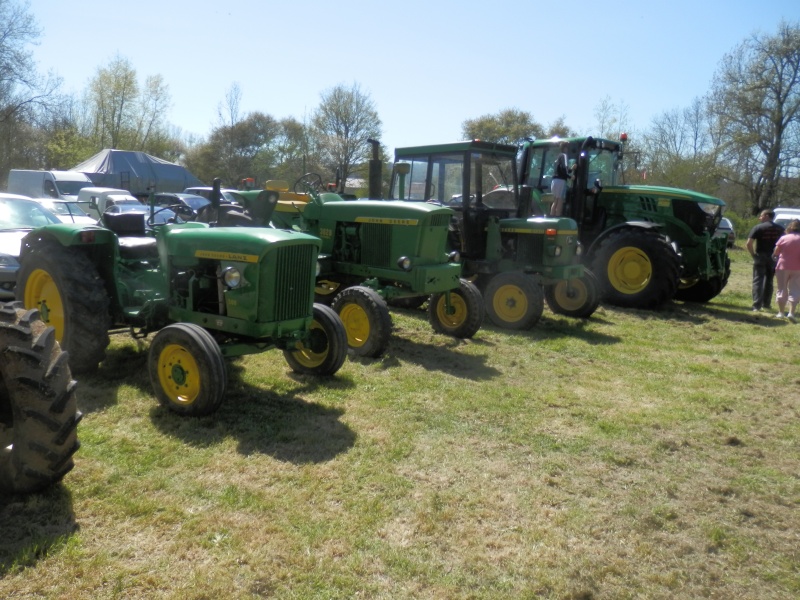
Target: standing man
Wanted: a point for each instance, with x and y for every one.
(558, 184)
(760, 244)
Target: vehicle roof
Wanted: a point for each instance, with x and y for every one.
(456, 147)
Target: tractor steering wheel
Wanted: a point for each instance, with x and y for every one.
(309, 181)
(180, 210)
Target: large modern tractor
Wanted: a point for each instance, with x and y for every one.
(645, 244)
(517, 260)
(207, 293)
(38, 410)
(373, 252)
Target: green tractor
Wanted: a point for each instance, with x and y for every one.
(208, 293)
(518, 261)
(645, 244)
(373, 253)
(38, 410)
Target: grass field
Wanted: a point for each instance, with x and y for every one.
(633, 455)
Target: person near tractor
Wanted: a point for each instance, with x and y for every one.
(558, 184)
(787, 269)
(760, 244)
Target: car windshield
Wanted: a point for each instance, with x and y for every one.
(24, 214)
(197, 202)
(64, 208)
(71, 188)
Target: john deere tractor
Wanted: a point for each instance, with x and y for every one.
(373, 252)
(645, 244)
(207, 293)
(518, 260)
(38, 410)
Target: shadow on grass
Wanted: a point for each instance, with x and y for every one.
(33, 526)
(717, 309)
(442, 356)
(283, 425)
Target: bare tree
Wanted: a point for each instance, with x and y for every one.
(228, 112)
(756, 100)
(612, 118)
(345, 119)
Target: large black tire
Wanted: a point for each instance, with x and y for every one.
(38, 409)
(514, 300)
(75, 301)
(700, 291)
(468, 311)
(366, 320)
(326, 348)
(577, 298)
(636, 268)
(187, 370)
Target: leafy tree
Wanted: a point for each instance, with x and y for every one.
(124, 115)
(508, 126)
(755, 98)
(343, 122)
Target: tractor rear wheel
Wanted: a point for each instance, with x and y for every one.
(636, 269)
(468, 311)
(69, 293)
(187, 370)
(366, 320)
(514, 300)
(577, 298)
(38, 409)
(325, 350)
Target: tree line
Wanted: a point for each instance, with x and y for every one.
(740, 141)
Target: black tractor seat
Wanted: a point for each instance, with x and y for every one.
(134, 243)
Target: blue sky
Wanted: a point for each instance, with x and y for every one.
(428, 65)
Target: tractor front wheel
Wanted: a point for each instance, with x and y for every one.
(187, 370)
(324, 351)
(38, 410)
(514, 300)
(366, 320)
(577, 298)
(467, 313)
(636, 269)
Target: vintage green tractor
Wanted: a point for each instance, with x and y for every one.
(645, 244)
(517, 260)
(208, 293)
(373, 252)
(38, 409)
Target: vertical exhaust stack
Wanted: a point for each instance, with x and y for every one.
(375, 171)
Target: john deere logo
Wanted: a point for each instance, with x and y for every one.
(380, 221)
(234, 256)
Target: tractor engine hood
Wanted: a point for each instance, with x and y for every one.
(391, 212)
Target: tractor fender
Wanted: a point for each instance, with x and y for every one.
(627, 225)
(67, 235)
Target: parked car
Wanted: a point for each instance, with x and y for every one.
(68, 211)
(784, 216)
(162, 215)
(18, 216)
(725, 229)
(192, 201)
(228, 195)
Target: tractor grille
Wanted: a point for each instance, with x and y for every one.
(376, 242)
(292, 288)
(648, 204)
(530, 248)
(440, 220)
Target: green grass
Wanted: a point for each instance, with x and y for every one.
(633, 455)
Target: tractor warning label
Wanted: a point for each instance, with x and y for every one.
(235, 256)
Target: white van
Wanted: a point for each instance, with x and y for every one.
(784, 216)
(47, 184)
(95, 200)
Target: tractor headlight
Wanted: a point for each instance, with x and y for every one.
(404, 263)
(232, 277)
(557, 251)
(318, 269)
(579, 249)
(454, 256)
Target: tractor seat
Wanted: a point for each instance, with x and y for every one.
(134, 243)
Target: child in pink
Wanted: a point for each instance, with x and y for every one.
(787, 271)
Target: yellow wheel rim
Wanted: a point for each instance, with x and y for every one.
(460, 311)
(571, 295)
(629, 270)
(178, 374)
(325, 287)
(306, 356)
(510, 303)
(41, 292)
(356, 324)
